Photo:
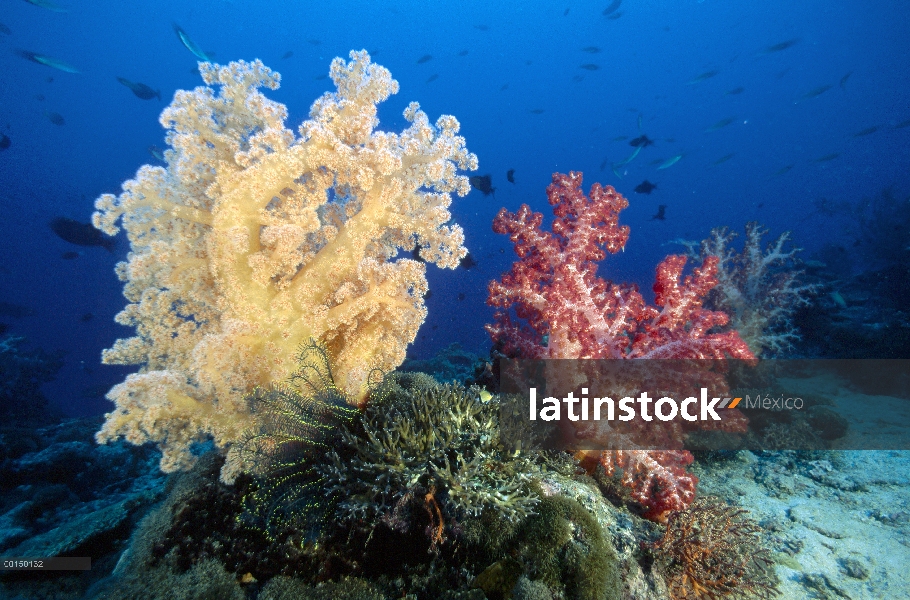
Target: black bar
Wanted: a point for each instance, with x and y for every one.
(56, 563)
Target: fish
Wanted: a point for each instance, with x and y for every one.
(48, 5)
(720, 124)
(5, 30)
(589, 67)
(615, 169)
(424, 58)
(432, 78)
(316, 42)
(903, 124)
(620, 138)
(47, 61)
(642, 141)
(537, 111)
(85, 318)
(55, 118)
(843, 80)
(482, 27)
(735, 91)
(156, 152)
(81, 234)
(591, 49)
(190, 44)
(723, 159)
(704, 76)
(287, 54)
(630, 159)
(614, 6)
(5, 142)
(483, 183)
(461, 296)
(510, 175)
(463, 53)
(578, 78)
(827, 157)
(656, 162)
(866, 131)
(504, 87)
(661, 213)
(645, 187)
(779, 47)
(614, 16)
(17, 311)
(566, 13)
(815, 93)
(140, 89)
(467, 262)
(783, 170)
(670, 162)
(70, 255)
(603, 165)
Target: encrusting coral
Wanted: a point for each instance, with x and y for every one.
(253, 241)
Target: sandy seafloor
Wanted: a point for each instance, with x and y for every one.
(839, 520)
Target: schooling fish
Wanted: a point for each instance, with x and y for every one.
(190, 44)
(5, 30)
(140, 89)
(81, 234)
(779, 47)
(735, 91)
(5, 142)
(48, 5)
(661, 213)
(287, 54)
(723, 159)
(591, 49)
(827, 157)
(630, 159)
(47, 61)
(670, 162)
(720, 124)
(510, 175)
(55, 118)
(642, 141)
(645, 187)
(704, 76)
(589, 67)
(815, 93)
(843, 80)
(424, 58)
(614, 6)
(866, 131)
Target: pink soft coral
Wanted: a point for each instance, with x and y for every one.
(570, 312)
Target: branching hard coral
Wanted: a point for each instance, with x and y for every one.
(712, 551)
(759, 288)
(253, 241)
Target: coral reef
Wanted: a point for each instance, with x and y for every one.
(759, 288)
(254, 240)
(712, 551)
(571, 313)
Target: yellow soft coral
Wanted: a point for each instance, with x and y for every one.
(254, 240)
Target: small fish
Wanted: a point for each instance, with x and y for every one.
(614, 16)
(48, 5)
(55, 118)
(603, 165)
(463, 53)
(156, 152)
(661, 213)
(70, 255)
(843, 80)
(483, 183)
(620, 138)
(287, 54)
(645, 187)
(630, 159)
(17, 311)
(5, 142)
(723, 159)
(314, 41)
(866, 131)
(827, 157)
(424, 58)
(510, 175)
(81, 234)
(735, 91)
(39, 97)
(47, 61)
(190, 44)
(566, 14)
(537, 111)
(461, 296)
(779, 47)
(589, 67)
(578, 78)
(86, 317)
(482, 27)
(704, 76)
(615, 169)
(140, 89)
(656, 162)
(5, 30)
(670, 162)
(783, 170)
(903, 124)
(504, 87)
(591, 49)
(815, 93)
(432, 78)
(614, 6)
(467, 262)
(720, 124)
(642, 141)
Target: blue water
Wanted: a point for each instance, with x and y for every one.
(522, 57)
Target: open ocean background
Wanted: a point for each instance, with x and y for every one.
(524, 100)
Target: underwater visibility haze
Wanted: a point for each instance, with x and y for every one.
(280, 284)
